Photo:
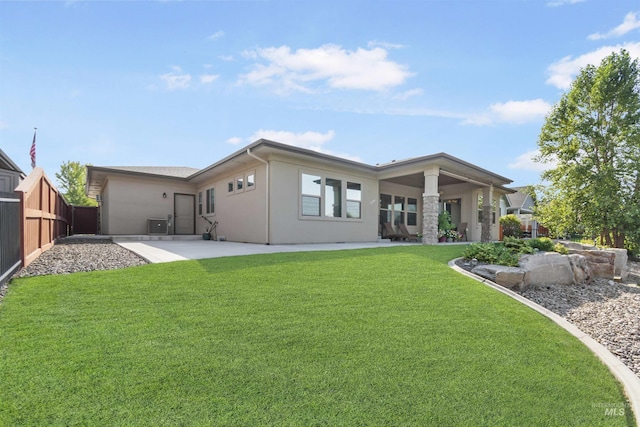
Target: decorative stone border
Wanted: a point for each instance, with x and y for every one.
(629, 381)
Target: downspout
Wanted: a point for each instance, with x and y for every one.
(266, 193)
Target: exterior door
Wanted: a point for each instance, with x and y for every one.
(184, 213)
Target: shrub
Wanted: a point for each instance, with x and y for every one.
(510, 226)
(561, 249)
(491, 253)
(517, 246)
(541, 244)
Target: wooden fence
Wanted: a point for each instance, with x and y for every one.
(45, 215)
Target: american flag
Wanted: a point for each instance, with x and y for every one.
(33, 151)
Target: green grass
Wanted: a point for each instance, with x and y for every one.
(388, 336)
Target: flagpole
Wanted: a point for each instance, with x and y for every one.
(32, 152)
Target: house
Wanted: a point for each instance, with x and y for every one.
(521, 204)
(10, 174)
(273, 193)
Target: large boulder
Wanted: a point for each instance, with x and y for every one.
(581, 270)
(604, 263)
(547, 268)
(509, 277)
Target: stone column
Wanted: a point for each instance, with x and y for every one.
(430, 200)
(487, 198)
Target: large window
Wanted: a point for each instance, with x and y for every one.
(398, 210)
(327, 196)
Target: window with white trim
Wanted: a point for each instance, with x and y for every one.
(250, 179)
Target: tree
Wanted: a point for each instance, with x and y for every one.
(593, 135)
(73, 180)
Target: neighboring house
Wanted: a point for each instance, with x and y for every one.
(10, 174)
(273, 193)
(521, 204)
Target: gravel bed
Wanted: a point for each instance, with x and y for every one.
(608, 311)
(76, 254)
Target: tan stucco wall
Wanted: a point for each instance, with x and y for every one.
(241, 215)
(289, 226)
(129, 201)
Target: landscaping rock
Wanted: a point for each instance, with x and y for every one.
(509, 277)
(581, 270)
(545, 268)
(604, 263)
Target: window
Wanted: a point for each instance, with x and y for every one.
(327, 197)
(354, 199)
(333, 198)
(200, 203)
(211, 200)
(398, 210)
(230, 187)
(311, 190)
(412, 211)
(251, 181)
(239, 184)
(386, 208)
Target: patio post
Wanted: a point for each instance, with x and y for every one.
(487, 207)
(430, 201)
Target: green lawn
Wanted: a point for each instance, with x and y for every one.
(388, 336)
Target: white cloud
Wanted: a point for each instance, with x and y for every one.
(234, 140)
(176, 79)
(310, 140)
(525, 162)
(557, 3)
(408, 94)
(630, 23)
(364, 69)
(208, 78)
(226, 58)
(515, 112)
(215, 36)
(561, 73)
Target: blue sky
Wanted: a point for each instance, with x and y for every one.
(185, 83)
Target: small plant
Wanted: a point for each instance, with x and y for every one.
(444, 221)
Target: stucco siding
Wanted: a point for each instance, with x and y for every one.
(241, 214)
(131, 201)
(288, 225)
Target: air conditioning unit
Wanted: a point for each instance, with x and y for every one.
(157, 226)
